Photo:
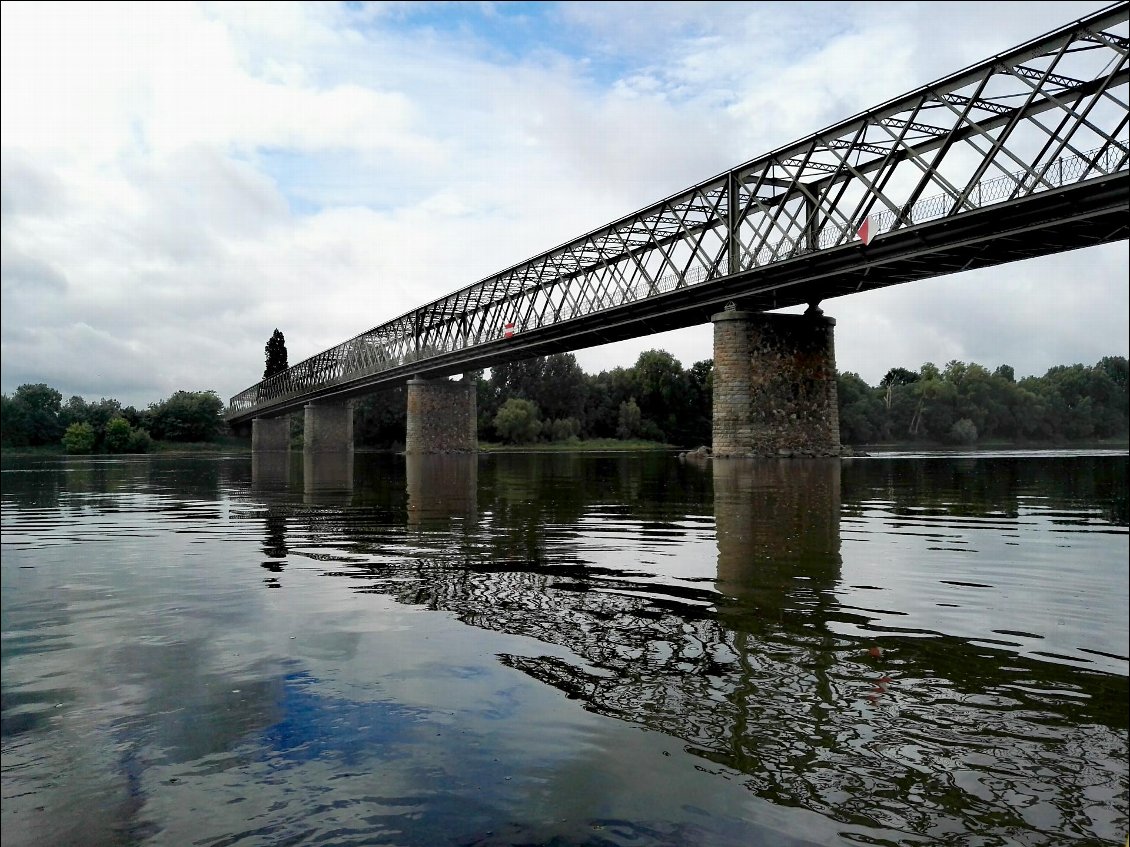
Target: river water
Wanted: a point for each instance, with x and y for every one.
(581, 649)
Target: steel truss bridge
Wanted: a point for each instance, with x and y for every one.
(1022, 155)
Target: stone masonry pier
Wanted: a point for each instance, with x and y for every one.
(328, 428)
(442, 417)
(270, 435)
(775, 385)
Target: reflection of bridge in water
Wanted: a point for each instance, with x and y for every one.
(740, 661)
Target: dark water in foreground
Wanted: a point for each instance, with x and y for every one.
(566, 650)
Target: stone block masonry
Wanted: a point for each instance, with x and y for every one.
(328, 428)
(442, 417)
(270, 435)
(775, 385)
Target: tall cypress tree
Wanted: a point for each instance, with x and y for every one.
(276, 355)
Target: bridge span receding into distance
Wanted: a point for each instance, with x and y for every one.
(1021, 155)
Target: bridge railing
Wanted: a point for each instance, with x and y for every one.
(999, 189)
(1064, 171)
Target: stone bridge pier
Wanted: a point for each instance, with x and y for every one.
(327, 452)
(442, 416)
(270, 435)
(775, 385)
(327, 428)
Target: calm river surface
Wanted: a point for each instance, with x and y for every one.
(585, 649)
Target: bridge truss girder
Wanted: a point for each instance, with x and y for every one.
(1022, 155)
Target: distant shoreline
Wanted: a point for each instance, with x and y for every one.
(597, 445)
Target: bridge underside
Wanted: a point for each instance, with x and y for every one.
(1068, 218)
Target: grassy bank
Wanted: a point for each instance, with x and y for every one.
(232, 444)
(590, 446)
(1117, 443)
(227, 444)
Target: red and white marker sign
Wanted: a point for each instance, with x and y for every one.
(867, 231)
(508, 331)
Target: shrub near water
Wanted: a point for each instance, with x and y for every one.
(117, 437)
(518, 421)
(79, 439)
(139, 442)
(186, 416)
(963, 431)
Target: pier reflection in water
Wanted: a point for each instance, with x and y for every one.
(441, 487)
(327, 477)
(778, 527)
(785, 634)
(271, 472)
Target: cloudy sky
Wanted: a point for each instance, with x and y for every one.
(180, 180)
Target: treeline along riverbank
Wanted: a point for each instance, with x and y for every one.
(550, 399)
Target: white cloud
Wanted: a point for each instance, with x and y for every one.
(181, 179)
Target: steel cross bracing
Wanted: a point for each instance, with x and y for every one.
(1021, 155)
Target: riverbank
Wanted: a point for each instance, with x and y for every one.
(1118, 443)
(232, 444)
(227, 444)
(590, 446)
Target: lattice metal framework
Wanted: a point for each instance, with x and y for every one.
(1048, 114)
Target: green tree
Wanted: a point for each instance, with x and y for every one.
(518, 421)
(186, 416)
(74, 410)
(139, 441)
(898, 404)
(1118, 369)
(955, 371)
(898, 376)
(98, 415)
(1109, 389)
(562, 391)
(563, 429)
(662, 393)
(1005, 372)
(630, 421)
(697, 428)
(938, 410)
(1063, 390)
(519, 379)
(117, 436)
(276, 355)
(132, 415)
(963, 431)
(380, 419)
(79, 438)
(934, 404)
(12, 429)
(555, 384)
(486, 406)
(861, 410)
(515, 380)
(32, 418)
(606, 391)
